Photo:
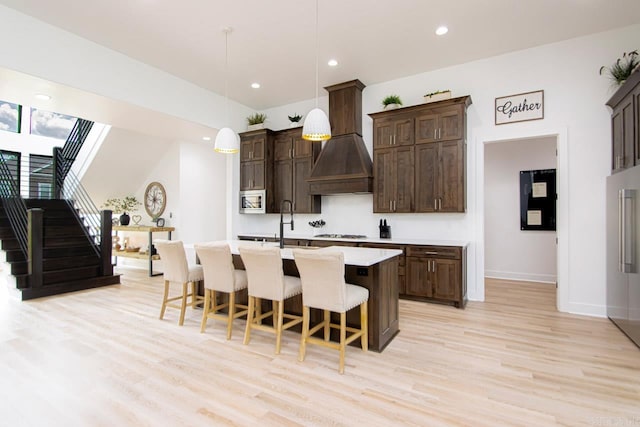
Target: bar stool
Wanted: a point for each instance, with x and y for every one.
(220, 276)
(267, 281)
(324, 287)
(177, 270)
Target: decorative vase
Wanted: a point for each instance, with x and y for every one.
(256, 126)
(391, 106)
(124, 219)
(294, 124)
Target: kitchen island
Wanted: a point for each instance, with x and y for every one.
(372, 268)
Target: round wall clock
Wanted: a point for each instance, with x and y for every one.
(155, 199)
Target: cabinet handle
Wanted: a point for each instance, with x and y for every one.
(390, 139)
(439, 204)
(431, 253)
(391, 205)
(435, 134)
(439, 133)
(394, 140)
(435, 204)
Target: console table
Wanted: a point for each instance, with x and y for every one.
(142, 229)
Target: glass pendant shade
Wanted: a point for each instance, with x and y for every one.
(316, 126)
(227, 141)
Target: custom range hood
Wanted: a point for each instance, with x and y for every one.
(344, 165)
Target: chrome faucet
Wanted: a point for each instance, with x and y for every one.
(282, 223)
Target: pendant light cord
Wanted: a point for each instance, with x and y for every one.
(226, 73)
(317, 50)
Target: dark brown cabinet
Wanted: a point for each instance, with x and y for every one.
(625, 125)
(390, 132)
(440, 124)
(293, 160)
(419, 158)
(256, 163)
(440, 172)
(438, 273)
(393, 180)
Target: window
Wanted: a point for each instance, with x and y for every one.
(51, 125)
(40, 176)
(10, 116)
(11, 183)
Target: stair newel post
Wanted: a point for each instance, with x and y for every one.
(35, 246)
(105, 242)
(57, 171)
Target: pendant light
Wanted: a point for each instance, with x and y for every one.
(227, 141)
(316, 124)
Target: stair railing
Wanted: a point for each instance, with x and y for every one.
(14, 205)
(64, 157)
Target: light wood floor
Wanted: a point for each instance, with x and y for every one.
(102, 358)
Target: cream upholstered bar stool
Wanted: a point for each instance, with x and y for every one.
(178, 270)
(267, 281)
(220, 276)
(324, 287)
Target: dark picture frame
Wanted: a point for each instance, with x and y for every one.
(521, 107)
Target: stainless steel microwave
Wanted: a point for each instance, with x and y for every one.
(253, 201)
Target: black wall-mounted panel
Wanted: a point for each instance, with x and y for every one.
(538, 199)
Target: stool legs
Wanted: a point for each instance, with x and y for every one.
(164, 299)
(183, 306)
(327, 325)
(305, 332)
(250, 315)
(205, 309)
(343, 339)
(232, 312)
(364, 326)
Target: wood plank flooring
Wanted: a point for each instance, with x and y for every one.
(103, 358)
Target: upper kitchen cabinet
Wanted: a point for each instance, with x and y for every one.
(441, 124)
(393, 131)
(429, 177)
(256, 158)
(625, 124)
(294, 158)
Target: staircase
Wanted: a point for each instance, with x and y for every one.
(70, 262)
(58, 242)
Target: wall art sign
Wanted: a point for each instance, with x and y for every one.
(521, 107)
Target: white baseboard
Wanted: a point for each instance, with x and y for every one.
(587, 309)
(521, 277)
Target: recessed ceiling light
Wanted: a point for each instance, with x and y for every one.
(442, 30)
(332, 63)
(43, 97)
(206, 138)
(255, 85)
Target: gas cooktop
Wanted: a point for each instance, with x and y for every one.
(342, 236)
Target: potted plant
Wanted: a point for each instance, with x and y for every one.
(438, 95)
(392, 101)
(256, 121)
(122, 206)
(622, 68)
(295, 120)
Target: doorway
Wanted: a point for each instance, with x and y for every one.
(512, 252)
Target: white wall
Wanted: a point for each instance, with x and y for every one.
(512, 253)
(574, 111)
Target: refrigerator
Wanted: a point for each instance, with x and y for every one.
(623, 254)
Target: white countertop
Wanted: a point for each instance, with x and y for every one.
(360, 257)
(398, 241)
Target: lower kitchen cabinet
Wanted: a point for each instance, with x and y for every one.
(437, 273)
(425, 272)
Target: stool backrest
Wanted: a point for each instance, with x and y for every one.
(174, 260)
(322, 277)
(264, 271)
(217, 265)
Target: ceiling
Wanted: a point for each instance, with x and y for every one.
(273, 42)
